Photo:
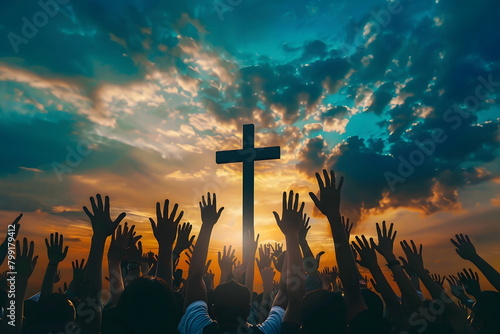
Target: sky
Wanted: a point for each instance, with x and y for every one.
(132, 98)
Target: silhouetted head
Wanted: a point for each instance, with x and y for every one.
(324, 312)
(147, 305)
(486, 312)
(231, 303)
(54, 313)
(373, 302)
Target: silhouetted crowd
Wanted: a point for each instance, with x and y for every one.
(147, 293)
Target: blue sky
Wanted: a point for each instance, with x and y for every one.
(132, 99)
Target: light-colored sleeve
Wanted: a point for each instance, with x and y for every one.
(195, 318)
(272, 325)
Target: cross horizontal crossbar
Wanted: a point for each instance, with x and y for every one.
(247, 155)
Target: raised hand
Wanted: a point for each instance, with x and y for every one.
(208, 208)
(165, 230)
(305, 227)
(465, 249)
(347, 227)
(183, 239)
(119, 243)
(102, 224)
(385, 240)
(368, 257)
(470, 281)
(226, 262)
(414, 262)
(438, 279)
(456, 286)
(239, 272)
(329, 194)
(134, 253)
(55, 248)
(265, 257)
(277, 249)
(291, 219)
(25, 261)
(78, 269)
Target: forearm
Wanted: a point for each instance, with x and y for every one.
(92, 282)
(306, 250)
(48, 280)
(92, 276)
(195, 287)
(393, 306)
(345, 259)
(488, 271)
(164, 270)
(249, 274)
(408, 291)
(452, 311)
(348, 268)
(116, 285)
(295, 278)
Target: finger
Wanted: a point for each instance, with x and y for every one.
(390, 230)
(332, 176)
(384, 229)
(165, 208)
(203, 201)
(296, 204)
(214, 200)
(106, 204)
(301, 206)
(314, 199)
(153, 224)
(100, 205)
(181, 214)
(290, 200)
(277, 217)
(328, 182)
(320, 181)
(174, 211)
(47, 243)
(66, 251)
(119, 219)
(209, 200)
(93, 205)
(341, 182)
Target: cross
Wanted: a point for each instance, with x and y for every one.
(248, 155)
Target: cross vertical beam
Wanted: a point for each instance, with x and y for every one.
(248, 155)
(248, 181)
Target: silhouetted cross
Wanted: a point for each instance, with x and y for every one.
(248, 155)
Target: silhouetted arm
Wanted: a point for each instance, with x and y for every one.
(466, 250)
(56, 254)
(195, 287)
(414, 262)
(368, 259)
(385, 247)
(290, 224)
(329, 204)
(165, 231)
(102, 227)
